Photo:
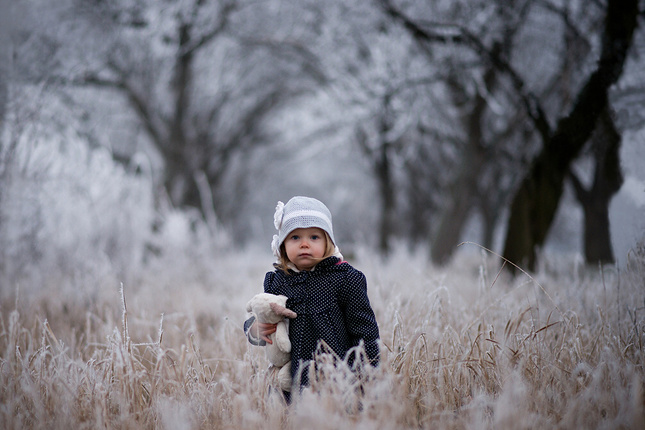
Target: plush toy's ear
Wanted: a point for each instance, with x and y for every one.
(281, 310)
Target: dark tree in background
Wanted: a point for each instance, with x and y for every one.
(201, 78)
(606, 181)
(4, 100)
(453, 111)
(482, 82)
(380, 160)
(470, 80)
(463, 190)
(573, 101)
(536, 201)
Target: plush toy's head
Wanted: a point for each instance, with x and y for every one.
(269, 308)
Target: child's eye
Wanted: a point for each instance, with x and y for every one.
(295, 237)
(315, 237)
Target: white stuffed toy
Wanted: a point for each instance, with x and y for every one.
(271, 308)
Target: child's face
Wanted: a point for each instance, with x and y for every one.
(305, 247)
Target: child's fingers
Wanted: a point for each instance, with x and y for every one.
(266, 329)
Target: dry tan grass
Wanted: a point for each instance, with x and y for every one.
(463, 347)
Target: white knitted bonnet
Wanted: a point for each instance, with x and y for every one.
(300, 212)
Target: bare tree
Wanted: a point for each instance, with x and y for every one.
(558, 94)
(380, 87)
(535, 203)
(478, 85)
(380, 154)
(199, 80)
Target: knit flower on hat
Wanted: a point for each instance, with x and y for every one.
(275, 246)
(277, 217)
(277, 222)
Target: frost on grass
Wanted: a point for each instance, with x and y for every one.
(465, 346)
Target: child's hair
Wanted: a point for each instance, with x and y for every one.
(283, 260)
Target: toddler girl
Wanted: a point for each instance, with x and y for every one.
(328, 294)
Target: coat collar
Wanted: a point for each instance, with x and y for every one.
(328, 263)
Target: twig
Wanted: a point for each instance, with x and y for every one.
(126, 334)
(506, 260)
(160, 330)
(50, 332)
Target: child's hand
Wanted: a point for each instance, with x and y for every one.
(267, 329)
(263, 331)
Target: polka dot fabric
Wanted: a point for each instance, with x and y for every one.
(332, 305)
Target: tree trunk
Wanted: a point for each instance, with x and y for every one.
(463, 191)
(386, 193)
(597, 236)
(597, 239)
(379, 156)
(179, 170)
(4, 150)
(180, 183)
(462, 194)
(536, 201)
(489, 222)
(5, 65)
(607, 181)
(419, 199)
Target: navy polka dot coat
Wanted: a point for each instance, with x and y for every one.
(332, 305)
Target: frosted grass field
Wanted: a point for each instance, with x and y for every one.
(465, 346)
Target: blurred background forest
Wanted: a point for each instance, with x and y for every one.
(131, 127)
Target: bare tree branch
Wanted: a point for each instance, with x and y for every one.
(141, 107)
(220, 25)
(459, 35)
